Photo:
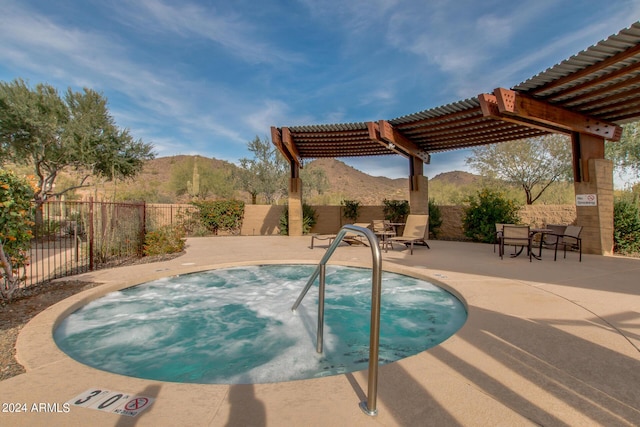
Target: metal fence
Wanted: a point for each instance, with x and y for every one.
(74, 237)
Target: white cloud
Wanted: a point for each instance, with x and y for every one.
(238, 37)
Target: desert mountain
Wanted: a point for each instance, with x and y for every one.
(344, 181)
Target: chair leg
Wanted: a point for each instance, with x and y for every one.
(580, 248)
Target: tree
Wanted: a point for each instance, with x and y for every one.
(533, 163)
(315, 182)
(265, 174)
(53, 134)
(15, 230)
(625, 153)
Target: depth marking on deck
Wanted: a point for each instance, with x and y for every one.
(112, 401)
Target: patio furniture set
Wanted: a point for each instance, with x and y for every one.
(552, 236)
(416, 231)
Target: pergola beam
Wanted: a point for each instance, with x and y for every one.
(276, 138)
(287, 140)
(489, 107)
(375, 135)
(530, 112)
(388, 135)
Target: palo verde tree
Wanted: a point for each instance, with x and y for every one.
(75, 132)
(625, 153)
(533, 164)
(265, 173)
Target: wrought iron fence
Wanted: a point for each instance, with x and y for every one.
(73, 237)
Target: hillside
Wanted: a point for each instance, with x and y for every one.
(344, 182)
(352, 184)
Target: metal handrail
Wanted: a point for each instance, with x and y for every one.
(368, 406)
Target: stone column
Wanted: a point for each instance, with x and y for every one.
(596, 221)
(593, 176)
(418, 188)
(295, 201)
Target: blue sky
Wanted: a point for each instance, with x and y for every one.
(206, 76)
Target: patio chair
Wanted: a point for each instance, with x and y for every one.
(499, 228)
(569, 239)
(550, 239)
(516, 236)
(416, 230)
(383, 231)
(349, 238)
(356, 239)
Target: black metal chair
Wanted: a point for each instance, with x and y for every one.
(570, 239)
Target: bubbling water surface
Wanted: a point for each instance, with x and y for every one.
(235, 325)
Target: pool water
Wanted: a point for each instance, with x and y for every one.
(235, 325)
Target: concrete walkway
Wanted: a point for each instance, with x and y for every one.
(546, 343)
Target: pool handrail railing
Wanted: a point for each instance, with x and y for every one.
(369, 406)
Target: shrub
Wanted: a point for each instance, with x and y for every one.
(435, 218)
(221, 215)
(15, 230)
(309, 219)
(626, 227)
(351, 208)
(165, 240)
(486, 209)
(395, 210)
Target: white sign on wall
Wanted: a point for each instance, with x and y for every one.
(586, 200)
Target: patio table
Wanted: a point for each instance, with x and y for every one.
(542, 232)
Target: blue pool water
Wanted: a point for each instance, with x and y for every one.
(235, 325)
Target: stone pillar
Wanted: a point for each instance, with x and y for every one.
(295, 201)
(597, 221)
(593, 176)
(418, 188)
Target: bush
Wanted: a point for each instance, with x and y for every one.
(485, 210)
(395, 210)
(221, 215)
(435, 218)
(165, 240)
(626, 227)
(15, 230)
(351, 208)
(309, 219)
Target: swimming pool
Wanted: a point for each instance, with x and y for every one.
(235, 326)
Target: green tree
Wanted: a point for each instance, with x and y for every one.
(314, 182)
(533, 164)
(75, 132)
(265, 173)
(625, 153)
(15, 230)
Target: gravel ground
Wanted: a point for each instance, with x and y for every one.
(28, 302)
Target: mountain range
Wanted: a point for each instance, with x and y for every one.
(343, 182)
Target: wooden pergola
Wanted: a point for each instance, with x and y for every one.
(587, 97)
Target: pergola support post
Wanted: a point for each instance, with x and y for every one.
(593, 184)
(295, 201)
(418, 187)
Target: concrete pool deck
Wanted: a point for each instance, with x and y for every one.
(546, 343)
